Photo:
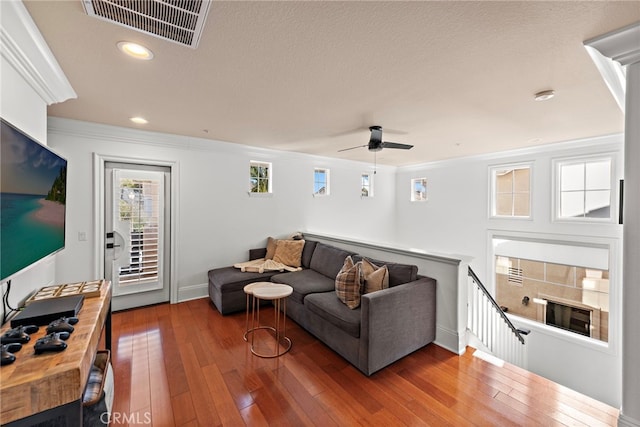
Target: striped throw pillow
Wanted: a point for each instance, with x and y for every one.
(349, 283)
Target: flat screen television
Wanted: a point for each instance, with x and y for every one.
(573, 319)
(33, 193)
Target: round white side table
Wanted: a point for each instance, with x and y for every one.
(248, 289)
(277, 293)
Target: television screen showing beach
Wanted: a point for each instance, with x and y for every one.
(32, 201)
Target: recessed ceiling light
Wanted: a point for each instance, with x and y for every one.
(139, 120)
(544, 95)
(135, 50)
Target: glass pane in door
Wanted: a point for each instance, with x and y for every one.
(139, 205)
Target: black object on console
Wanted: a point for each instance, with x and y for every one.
(19, 334)
(6, 353)
(63, 324)
(45, 311)
(51, 342)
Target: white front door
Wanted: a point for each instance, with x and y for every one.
(137, 224)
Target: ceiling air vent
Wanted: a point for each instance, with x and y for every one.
(179, 21)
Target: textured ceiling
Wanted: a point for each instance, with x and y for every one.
(453, 78)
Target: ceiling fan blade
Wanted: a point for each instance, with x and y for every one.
(352, 148)
(396, 145)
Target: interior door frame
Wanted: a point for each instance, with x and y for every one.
(99, 161)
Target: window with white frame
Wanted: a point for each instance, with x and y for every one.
(583, 189)
(419, 189)
(511, 191)
(260, 177)
(320, 182)
(366, 185)
(566, 286)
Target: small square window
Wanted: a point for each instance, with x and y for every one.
(320, 182)
(366, 185)
(260, 177)
(511, 191)
(419, 189)
(583, 189)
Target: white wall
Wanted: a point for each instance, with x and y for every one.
(21, 106)
(217, 220)
(30, 78)
(455, 220)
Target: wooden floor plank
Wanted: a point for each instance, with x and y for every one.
(205, 409)
(293, 412)
(532, 411)
(221, 396)
(253, 417)
(303, 398)
(183, 410)
(187, 365)
(390, 402)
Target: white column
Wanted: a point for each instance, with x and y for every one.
(624, 47)
(630, 411)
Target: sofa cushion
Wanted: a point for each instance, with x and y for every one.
(374, 278)
(398, 273)
(289, 252)
(307, 252)
(327, 306)
(305, 282)
(349, 283)
(328, 260)
(257, 253)
(229, 279)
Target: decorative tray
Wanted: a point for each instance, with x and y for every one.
(88, 289)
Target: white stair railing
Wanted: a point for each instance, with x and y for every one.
(492, 327)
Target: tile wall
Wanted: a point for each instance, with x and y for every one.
(519, 278)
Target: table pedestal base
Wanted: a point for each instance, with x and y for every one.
(279, 328)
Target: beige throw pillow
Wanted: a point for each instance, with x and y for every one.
(349, 283)
(375, 278)
(289, 252)
(271, 248)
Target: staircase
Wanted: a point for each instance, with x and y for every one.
(488, 323)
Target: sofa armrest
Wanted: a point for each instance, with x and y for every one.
(395, 322)
(257, 253)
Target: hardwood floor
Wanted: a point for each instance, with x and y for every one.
(187, 365)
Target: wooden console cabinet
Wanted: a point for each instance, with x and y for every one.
(48, 387)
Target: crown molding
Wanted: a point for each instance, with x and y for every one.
(101, 132)
(24, 48)
(621, 45)
(612, 142)
(612, 74)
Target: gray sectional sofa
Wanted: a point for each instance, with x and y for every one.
(388, 324)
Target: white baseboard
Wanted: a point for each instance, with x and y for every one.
(625, 421)
(448, 339)
(186, 293)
